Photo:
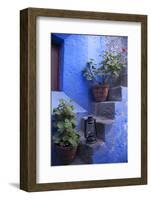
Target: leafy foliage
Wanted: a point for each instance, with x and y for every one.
(110, 66)
(64, 123)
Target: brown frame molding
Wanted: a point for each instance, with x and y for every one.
(28, 98)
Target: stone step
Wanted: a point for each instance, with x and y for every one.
(118, 93)
(100, 120)
(109, 109)
(86, 151)
(123, 77)
(104, 109)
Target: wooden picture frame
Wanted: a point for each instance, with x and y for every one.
(28, 98)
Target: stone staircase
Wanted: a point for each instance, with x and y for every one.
(111, 119)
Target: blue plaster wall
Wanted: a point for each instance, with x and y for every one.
(76, 50)
(114, 150)
(75, 58)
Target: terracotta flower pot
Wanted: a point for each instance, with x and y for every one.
(65, 154)
(100, 92)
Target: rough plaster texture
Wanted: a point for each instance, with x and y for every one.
(112, 148)
(76, 50)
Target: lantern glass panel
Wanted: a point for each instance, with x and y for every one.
(90, 133)
(90, 129)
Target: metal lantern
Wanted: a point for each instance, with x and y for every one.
(90, 130)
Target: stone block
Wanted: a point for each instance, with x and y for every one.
(118, 93)
(104, 109)
(123, 77)
(86, 151)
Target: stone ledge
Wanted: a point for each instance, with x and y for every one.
(87, 151)
(101, 120)
(104, 109)
(118, 93)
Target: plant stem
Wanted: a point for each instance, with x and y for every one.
(92, 74)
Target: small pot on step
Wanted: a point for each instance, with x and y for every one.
(100, 92)
(65, 154)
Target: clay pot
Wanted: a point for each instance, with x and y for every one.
(100, 92)
(65, 155)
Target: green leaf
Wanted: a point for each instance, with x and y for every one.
(64, 122)
(72, 142)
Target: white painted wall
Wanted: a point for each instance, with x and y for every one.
(9, 99)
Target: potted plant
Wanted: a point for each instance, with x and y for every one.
(66, 138)
(103, 73)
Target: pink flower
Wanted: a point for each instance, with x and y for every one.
(124, 50)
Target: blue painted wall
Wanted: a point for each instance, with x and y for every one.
(75, 59)
(114, 150)
(76, 50)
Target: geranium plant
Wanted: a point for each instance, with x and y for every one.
(103, 73)
(110, 67)
(64, 125)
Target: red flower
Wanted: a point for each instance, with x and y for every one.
(124, 50)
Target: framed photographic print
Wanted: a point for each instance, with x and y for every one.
(83, 99)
